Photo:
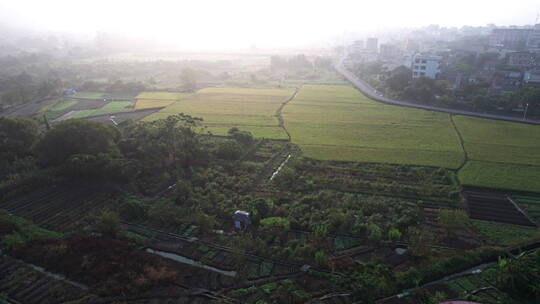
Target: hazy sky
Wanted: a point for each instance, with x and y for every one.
(241, 23)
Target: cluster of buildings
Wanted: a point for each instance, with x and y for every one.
(503, 58)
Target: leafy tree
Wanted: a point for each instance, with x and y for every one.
(276, 226)
(20, 94)
(419, 242)
(165, 212)
(134, 209)
(243, 137)
(519, 276)
(205, 222)
(278, 63)
(229, 150)
(262, 206)
(453, 221)
(17, 137)
(169, 142)
(530, 96)
(50, 87)
(394, 235)
(72, 137)
(189, 79)
(368, 281)
(107, 223)
(399, 78)
(321, 259)
(286, 178)
(374, 232)
(103, 166)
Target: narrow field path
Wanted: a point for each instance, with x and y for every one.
(279, 114)
(462, 143)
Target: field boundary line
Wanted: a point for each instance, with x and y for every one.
(505, 163)
(279, 114)
(378, 148)
(461, 142)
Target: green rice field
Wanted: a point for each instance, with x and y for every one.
(248, 109)
(339, 123)
(111, 107)
(502, 154)
(149, 100)
(500, 175)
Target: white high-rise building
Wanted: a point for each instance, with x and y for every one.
(425, 66)
(372, 44)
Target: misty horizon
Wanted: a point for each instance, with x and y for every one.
(213, 25)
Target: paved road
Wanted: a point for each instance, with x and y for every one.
(373, 94)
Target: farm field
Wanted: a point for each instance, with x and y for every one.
(505, 234)
(251, 110)
(100, 95)
(339, 123)
(502, 154)
(500, 141)
(500, 175)
(111, 107)
(148, 100)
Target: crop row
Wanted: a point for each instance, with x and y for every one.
(494, 207)
(27, 285)
(57, 208)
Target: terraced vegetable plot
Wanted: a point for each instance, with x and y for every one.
(149, 100)
(57, 209)
(59, 109)
(251, 110)
(504, 154)
(530, 204)
(494, 207)
(339, 123)
(27, 285)
(435, 187)
(218, 257)
(506, 234)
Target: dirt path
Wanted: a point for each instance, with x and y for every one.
(462, 143)
(281, 122)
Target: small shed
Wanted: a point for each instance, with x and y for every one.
(70, 92)
(241, 219)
